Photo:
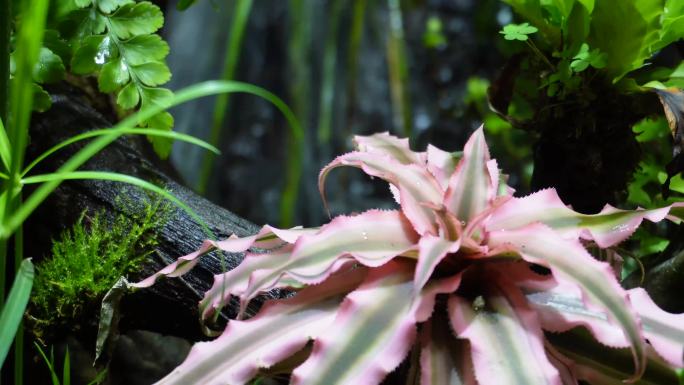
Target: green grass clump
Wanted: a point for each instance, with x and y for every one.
(86, 261)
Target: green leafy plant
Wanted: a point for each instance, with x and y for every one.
(27, 42)
(87, 260)
(518, 31)
(66, 368)
(581, 82)
(450, 273)
(116, 40)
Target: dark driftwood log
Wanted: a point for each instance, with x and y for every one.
(171, 305)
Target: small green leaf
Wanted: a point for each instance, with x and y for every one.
(144, 49)
(93, 52)
(114, 74)
(433, 37)
(128, 97)
(49, 67)
(518, 31)
(162, 146)
(136, 19)
(108, 6)
(89, 22)
(56, 44)
(41, 99)
(153, 73)
(585, 58)
(83, 3)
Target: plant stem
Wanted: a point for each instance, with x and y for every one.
(537, 52)
(327, 98)
(398, 70)
(221, 107)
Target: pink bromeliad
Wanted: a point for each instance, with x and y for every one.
(447, 275)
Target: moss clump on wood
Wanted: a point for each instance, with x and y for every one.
(86, 261)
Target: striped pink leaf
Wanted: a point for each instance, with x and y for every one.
(387, 144)
(607, 228)
(281, 328)
(266, 239)
(415, 184)
(472, 185)
(505, 335)
(372, 238)
(571, 263)
(374, 329)
(444, 359)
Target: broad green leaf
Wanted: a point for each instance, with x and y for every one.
(113, 75)
(13, 310)
(672, 23)
(152, 73)
(506, 339)
(49, 67)
(92, 54)
(588, 4)
(279, 330)
(128, 97)
(82, 3)
(136, 19)
(145, 48)
(625, 31)
(577, 27)
(539, 244)
(108, 6)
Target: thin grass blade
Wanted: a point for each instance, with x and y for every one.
(13, 310)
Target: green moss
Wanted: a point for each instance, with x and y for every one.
(87, 260)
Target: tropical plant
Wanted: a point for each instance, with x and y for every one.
(478, 282)
(28, 46)
(598, 57)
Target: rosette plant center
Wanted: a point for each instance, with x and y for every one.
(470, 283)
